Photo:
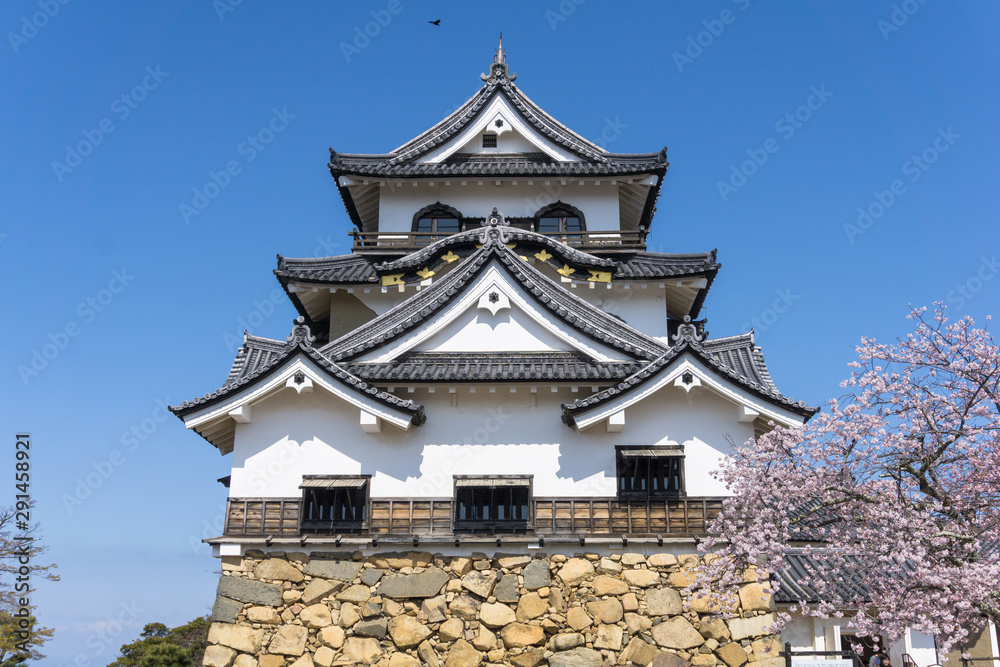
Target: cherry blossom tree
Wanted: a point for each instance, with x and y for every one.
(893, 492)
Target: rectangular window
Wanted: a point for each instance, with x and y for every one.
(334, 503)
(650, 472)
(489, 141)
(492, 504)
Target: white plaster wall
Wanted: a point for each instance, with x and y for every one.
(801, 634)
(599, 203)
(922, 649)
(466, 433)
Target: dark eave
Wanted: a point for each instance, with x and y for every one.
(800, 567)
(735, 358)
(575, 312)
(459, 367)
(259, 358)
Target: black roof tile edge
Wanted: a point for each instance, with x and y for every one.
(472, 236)
(570, 410)
(393, 323)
(295, 345)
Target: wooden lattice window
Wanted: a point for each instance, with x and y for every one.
(438, 219)
(656, 472)
(495, 504)
(489, 140)
(559, 218)
(334, 503)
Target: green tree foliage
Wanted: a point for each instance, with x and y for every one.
(159, 646)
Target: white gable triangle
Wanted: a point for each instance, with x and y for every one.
(495, 314)
(514, 135)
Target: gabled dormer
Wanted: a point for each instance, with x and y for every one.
(499, 149)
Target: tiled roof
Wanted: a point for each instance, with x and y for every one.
(577, 313)
(259, 357)
(849, 584)
(342, 269)
(471, 237)
(495, 165)
(457, 367)
(736, 358)
(644, 265)
(356, 269)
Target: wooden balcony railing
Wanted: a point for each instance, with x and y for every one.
(401, 243)
(432, 517)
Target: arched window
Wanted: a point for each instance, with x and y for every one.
(437, 219)
(559, 218)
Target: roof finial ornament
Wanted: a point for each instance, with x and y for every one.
(687, 333)
(495, 229)
(301, 335)
(498, 70)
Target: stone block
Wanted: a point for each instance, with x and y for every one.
(265, 615)
(756, 597)
(226, 610)
(665, 659)
(349, 615)
(496, 615)
(332, 636)
(239, 637)
(485, 640)
(606, 611)
(304, 660)
(578, 657)
(245, 590)
(605, 585)
(403, 660)
(575, 571)
(639, 652)
(677, 633)
(465, 607)
(318, 589)
(664, 602)
(343, 570)
(271, 661)
(662, 560)
(531, 606)
(608, 636)
(427, 654)
(567, 641)
(508, 589)
(316, 616)
(512, 561)
(641, 578)
(732, 654)
(277, 569)
(633, 559)
(536, 575)
(218, 656)
(520, 635)
(463, 654)
(704, 603)
(451, 630)
(371, 576)
(608, 566)
(744, 628)
(356, 593)
(427, 584)
(480, 583)
(324, 656)
(435, 609)
(289, 640)
(714, 628)
(577, 618)
(363, 650)
(376, 628)
(529, 658)
(408, 632)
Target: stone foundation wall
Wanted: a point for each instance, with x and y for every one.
(415, 608)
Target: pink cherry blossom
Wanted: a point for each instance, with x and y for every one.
(894, 490)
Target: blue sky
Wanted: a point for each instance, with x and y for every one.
(885, 107)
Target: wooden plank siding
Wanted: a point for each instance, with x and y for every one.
(551, 516)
